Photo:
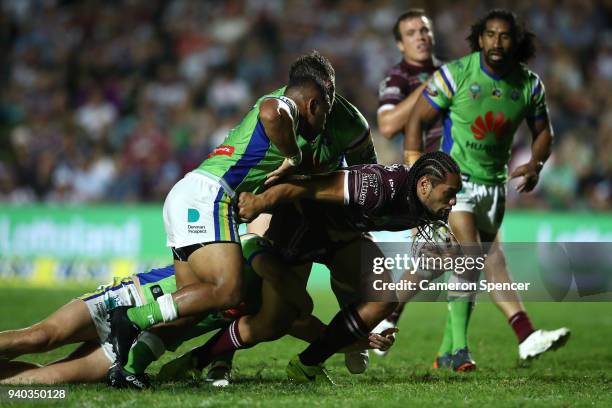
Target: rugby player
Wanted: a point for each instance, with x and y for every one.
(482, 99)
(85, 320)
(399, 91)
(375, 197)
(281, 130)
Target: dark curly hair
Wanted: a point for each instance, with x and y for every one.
(315, 69)
(522, 39)
(435, 166)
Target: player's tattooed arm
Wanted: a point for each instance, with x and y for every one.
(279, 124)
(541, 147)
(423, 114)
(327, 188)
(310, 329)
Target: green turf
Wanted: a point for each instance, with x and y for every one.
(578, 375)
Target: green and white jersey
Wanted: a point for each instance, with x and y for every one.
(246, 155)
(482, 112)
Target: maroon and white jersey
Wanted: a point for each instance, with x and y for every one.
(399, 83)
(377, 197)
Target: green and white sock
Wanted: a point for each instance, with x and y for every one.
(164, 309)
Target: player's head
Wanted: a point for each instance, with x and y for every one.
(413, 34)
(314, 79)
(502, 39)
(436, 181)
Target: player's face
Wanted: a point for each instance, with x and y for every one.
(417, 40)
(318, 112)
(496, 43)
(443, 196)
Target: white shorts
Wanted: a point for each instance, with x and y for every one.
(119, 292)
(486, 202)
(199, 210)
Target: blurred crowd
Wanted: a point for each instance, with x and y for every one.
(113, 101)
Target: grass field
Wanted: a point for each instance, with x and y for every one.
(578, 375)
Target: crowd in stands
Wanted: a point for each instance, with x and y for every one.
(113, 101)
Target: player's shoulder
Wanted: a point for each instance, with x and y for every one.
(528, 74)
(463, 64)
(398, 70)
(346, 122)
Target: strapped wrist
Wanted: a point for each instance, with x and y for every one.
(295, 160)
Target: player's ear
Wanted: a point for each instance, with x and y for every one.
(313, 104)
(480, 41)
(424, 186)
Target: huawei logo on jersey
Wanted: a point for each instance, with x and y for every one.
(497, 124)
(223, 151)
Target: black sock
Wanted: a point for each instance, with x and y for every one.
(344, 329)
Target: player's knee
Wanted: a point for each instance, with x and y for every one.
(40, 337)
(229, 294)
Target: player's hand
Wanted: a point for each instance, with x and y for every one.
(249, 206)
(530, 173)
(382, 341)
(285, 169)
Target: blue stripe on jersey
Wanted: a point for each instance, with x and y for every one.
(155, 275)
(111, 289)
(230, 216)
(255, 151)
(447, 140)
(450, 88)
(537, 88)
(216, 215)
(431, 101)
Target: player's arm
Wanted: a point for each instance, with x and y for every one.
(541, 147)
(422, 116)
(392, 120)
(328, 188)
(311, 328)
(278, 120)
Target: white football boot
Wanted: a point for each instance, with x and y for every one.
(541, 341)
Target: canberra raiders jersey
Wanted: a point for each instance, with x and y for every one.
(246, 155)
(482, 112)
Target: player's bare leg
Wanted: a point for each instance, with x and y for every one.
(532, 342)
(345, 272)
(211, 278)
(353, 323)
(273, 320)
(87, 363)
(71, 323)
